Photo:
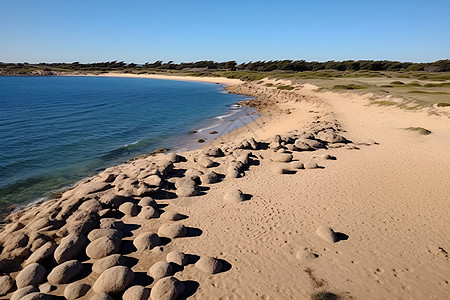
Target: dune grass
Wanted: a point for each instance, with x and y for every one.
(349, 87)
(384, 103)
(285, 87)
(442, 104)
(323, 295)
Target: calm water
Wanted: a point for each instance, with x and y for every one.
(55, 131)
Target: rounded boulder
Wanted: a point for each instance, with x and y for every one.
(114, 280)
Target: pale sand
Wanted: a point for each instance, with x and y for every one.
(391, 199)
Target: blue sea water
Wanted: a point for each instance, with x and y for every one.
(55, 131)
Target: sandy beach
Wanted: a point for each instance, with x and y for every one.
(324, 193)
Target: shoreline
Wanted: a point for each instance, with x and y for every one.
(311, 162)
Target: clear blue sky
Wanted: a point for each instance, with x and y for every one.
(190, 30)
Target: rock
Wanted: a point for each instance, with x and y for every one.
(326, 156)
(193, 174)
(36, 296)
(234, 195)
(209, 265)
(103, 247)
(187, 191)
(76, 290)
(136, 292)
(209, 177)
(327, 234)
(112, 200)
(111, 223)
(129, 209)
(114, 280)
(311, 165)
(46, 288)
(71, 246)
(178, 258)
(148, 212)
(233, 171)
(153, 180)
(15, 240)
(147, 201)
(281, 150)
(106, 232)
(282, 157)
(300, 145)
(102, 296)
(305, 255)
(107, 262)
(146, 241)
(21, 293)
(91, 206)
(41, 254)
(65, 272)
(205, 162)
(297, 165)
(172, 230)
(172, 216)
(6, 283)
(33, 274)
(314, 143)
(213, 151)
(278, 169)
(167, 288)
(160, 269)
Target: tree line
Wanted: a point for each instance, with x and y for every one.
(259, 66)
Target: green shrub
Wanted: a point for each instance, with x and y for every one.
(324, 296)
(269, 84)
(285, 87)
(443, 104)
(349, 87)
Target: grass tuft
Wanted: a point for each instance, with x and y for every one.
(443, 104)
(384, 103)
(349, 87)
(285, 87)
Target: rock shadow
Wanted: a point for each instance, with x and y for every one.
(247, 197)
(226, 266)
(341, 236)
(193, 232)
(192, 258)
(190, 288)
(142, 278)
(164, 195)
(128, 228)
(127, 247)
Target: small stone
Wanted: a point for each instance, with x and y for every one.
(326, 156)
(205, 162)
(107, 262)
(114, 280)
(146, 241)
(76, 290)
(327, 234)
(46, 288)
(209, 265)
(172, 230)
(297, 165)
(136, 292)
(278, 169)
(160, 269)
(172, 216)
(234, 195)
(167, 288)
(129, 209)
(148, 212)
(305, 255)
(310, 165)
(65, 272)
(178, 258)
(209, 177)
(283, 157)
(187, 191)
(33, 274)
(103, 247)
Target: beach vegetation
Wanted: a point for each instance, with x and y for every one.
(269, 84)
(285, 87)
(443, 104)
(323, 295)
(349, 87)
(384, 103)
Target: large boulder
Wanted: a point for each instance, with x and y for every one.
(21, 293)
(114, 280)
(172, 230)
(76, 290)
(65, 272)
(103, 247)
(147, 201)
(41, 254)
(33, 274)
(129, 209)
(178, 258)
(107, 262)
(112, 200)
(70, 247)
(146, 241)
(167, 288)
(209, 265)
(136, 292)
(160, 269)
(283, 157)
(148, 212)
(111, 223)
(106, 232)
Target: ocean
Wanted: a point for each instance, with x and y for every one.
(55, 131)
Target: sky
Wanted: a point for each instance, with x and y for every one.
(191, 30)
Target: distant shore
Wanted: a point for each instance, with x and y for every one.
(324, 193)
